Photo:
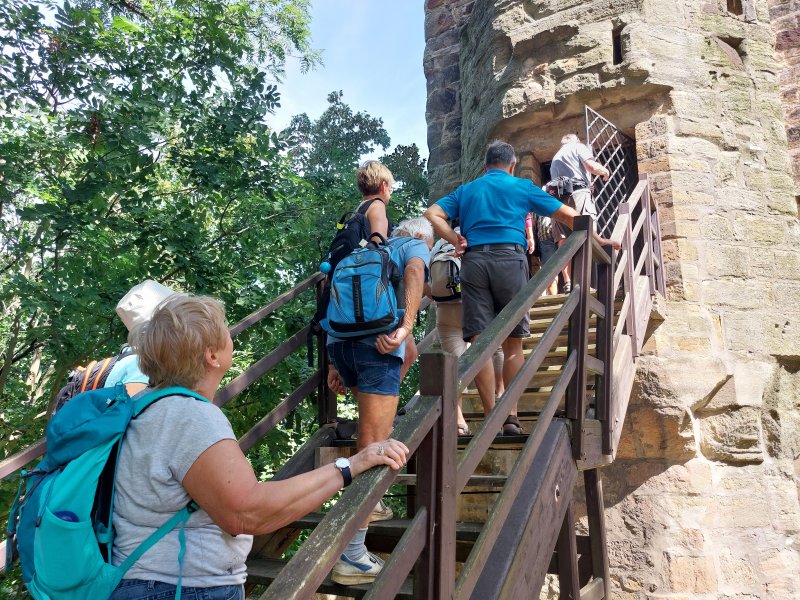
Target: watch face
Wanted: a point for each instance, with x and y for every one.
(341, 463)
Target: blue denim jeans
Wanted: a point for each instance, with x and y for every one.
(140, 589)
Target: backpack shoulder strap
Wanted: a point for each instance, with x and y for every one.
(147, 399)
(365, 206)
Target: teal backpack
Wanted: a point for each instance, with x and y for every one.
(61, 520)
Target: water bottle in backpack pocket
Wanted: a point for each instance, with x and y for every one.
(363, 297)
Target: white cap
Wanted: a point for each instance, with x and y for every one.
(138, 304)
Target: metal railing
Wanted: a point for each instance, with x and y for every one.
(617, 152)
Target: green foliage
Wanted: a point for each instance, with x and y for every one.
(135, 143)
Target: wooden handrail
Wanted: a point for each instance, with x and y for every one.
(280, 301)
(479, 352)
(491, 530)
(481, 441)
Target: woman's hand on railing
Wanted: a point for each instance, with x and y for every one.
(335, 381)
(389, 452)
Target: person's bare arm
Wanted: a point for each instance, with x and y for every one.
(223, 483)
(566, 215)
(414, 280)
(595, 168)
(378, 221)
(438, 218)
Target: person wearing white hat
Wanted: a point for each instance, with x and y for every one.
(136, 307)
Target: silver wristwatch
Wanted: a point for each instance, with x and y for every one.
(343, 464)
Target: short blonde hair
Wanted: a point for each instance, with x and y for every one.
(371, 175)
(172, 345)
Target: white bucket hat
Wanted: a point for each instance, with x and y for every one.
(138, 304)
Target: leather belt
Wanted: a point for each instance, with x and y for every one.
(488, 247)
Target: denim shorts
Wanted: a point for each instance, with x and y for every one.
(141, 589)
(362, 366)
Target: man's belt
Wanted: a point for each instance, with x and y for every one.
(488, 247)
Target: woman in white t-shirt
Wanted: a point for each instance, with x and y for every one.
(181, 449)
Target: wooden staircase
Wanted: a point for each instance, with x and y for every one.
(515, 520)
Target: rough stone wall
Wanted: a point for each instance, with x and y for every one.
(785, 17)
(703, 498)
(443, 21)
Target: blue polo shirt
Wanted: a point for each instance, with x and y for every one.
(492, 209)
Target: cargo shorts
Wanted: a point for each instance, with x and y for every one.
(489, 280)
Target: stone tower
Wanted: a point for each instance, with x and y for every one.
(702, 501)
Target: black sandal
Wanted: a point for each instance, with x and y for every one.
(512, 426)
(463, 430)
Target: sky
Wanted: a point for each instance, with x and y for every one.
(372, 51)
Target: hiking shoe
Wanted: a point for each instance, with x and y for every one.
(512, 426)
(381, 512)
(351, 572)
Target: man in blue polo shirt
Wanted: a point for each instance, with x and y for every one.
(492, 211)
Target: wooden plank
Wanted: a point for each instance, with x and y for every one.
(531, 559)
(539, 459)
(569, 587)
(279, 413)
(596, 307)
(481, 441)
(260, 368)
(534, 507)
(265, 570)
(595, 510)
(595, 365)
(594, 447)
(392, 578)
(624, 372)
(605, 347)
(576, 398)
(22, 458)
(284, 298)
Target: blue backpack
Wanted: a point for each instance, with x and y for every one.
(61, 520)
(363, 300)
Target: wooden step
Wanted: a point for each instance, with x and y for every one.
(264, 570)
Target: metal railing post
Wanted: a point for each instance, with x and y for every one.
(577, 336)
(436, 479)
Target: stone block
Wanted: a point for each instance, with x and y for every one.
(735, 570)
(717, 227)
(657, 434)
(759, 229)
(691, 574)
(728, 261)
(744, 509)
(736, 293)
(732, 437)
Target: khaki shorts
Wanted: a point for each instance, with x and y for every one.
(581, 201)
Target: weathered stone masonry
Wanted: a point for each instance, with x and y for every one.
(703, 498)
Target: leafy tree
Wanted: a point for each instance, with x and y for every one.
(134, 144)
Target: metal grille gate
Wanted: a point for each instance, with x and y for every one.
(617, 152)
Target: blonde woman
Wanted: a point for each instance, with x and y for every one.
(181, 449)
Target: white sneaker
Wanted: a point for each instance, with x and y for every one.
(350, 572)
(381, 512)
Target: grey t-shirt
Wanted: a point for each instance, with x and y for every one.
(568, 162)
(159, 448)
